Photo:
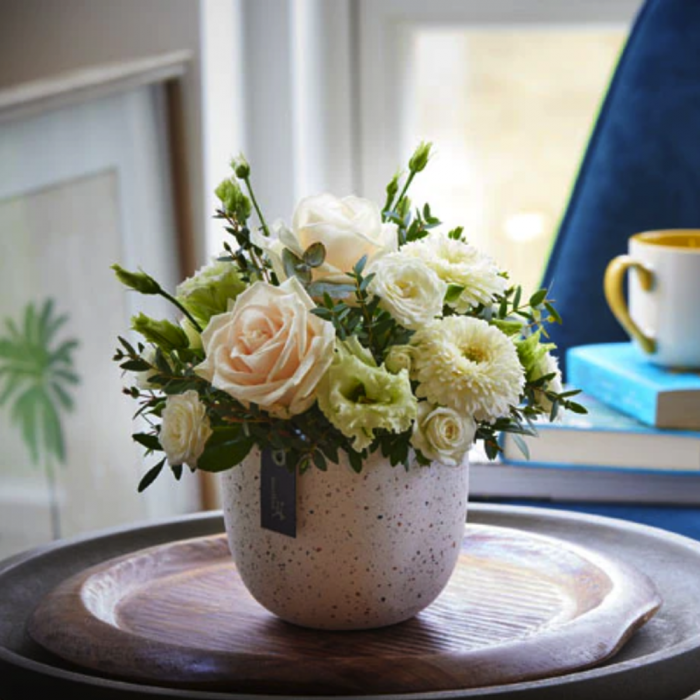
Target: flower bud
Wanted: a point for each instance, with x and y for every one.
(139, 281)
(241, 167)
(420, 157)
(393, 187)
(233, 200)
(166, 335)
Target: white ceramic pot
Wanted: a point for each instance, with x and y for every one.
(372, 549)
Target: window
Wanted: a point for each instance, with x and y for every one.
(507, 92)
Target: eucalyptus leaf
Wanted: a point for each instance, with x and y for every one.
(315, 255)
(335, 291)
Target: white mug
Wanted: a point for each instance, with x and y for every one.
(664, 295)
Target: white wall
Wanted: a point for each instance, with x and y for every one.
(41, 38)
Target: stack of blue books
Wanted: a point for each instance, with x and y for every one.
(640, 416)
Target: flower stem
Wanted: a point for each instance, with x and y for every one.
(174, 301)
(263, 225)
(407, 184)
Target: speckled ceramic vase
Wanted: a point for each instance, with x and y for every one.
(371, 550)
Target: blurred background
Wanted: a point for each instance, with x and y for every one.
(118, 118)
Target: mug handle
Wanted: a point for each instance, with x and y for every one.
(614, 276)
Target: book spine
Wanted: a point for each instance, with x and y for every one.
(616, 389)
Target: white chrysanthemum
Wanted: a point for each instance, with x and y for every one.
(408, 289)
(458, 262)
(465, 363)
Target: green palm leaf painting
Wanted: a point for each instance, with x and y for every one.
(36, 375)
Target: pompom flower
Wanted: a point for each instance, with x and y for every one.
(457, 262)
(468, 365)
(358, 397)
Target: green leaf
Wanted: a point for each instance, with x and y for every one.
(290, 262)
(554, 412)
(518, 295)
(227, 447)
(335, 291)
(538, 297)
(510, 328)
(456, 233)
(553, 312)
(355, 459)
(136, 365)
(320, 461)
(360, 265)
(150, 476)
(177, 471)
(148, 440)
(576, 407)
(522, 445)
(315, 255)
(453, 293)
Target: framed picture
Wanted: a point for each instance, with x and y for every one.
(84, 183)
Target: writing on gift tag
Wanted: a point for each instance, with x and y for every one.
(278, 494)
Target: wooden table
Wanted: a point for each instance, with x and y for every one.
(661, 661)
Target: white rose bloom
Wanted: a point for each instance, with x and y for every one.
(548, 365)
(269, 349)
(185, 428)
(442, 434)
(466, 364)
(398, 358)
(349, 228)
(408, 289)
(458, 262)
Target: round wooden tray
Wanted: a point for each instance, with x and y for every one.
(661, 661)
(518, 607)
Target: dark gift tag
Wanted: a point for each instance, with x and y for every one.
(278, 494)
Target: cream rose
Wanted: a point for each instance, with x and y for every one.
(442, 434)
(269, 349)
(408, 289)
(185, 428)
(349, 229)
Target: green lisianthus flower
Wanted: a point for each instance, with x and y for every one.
(358, 397)
(209, 290)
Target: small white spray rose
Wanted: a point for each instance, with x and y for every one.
(269, 349)
(398, 358)
(408, 289)
(443, 434)
(548, 364)
(185, 428)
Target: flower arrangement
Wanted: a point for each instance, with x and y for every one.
(356, 329)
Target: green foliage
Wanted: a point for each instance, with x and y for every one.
(36, 374)
(167, 366)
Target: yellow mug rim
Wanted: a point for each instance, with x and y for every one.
(678, 239)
